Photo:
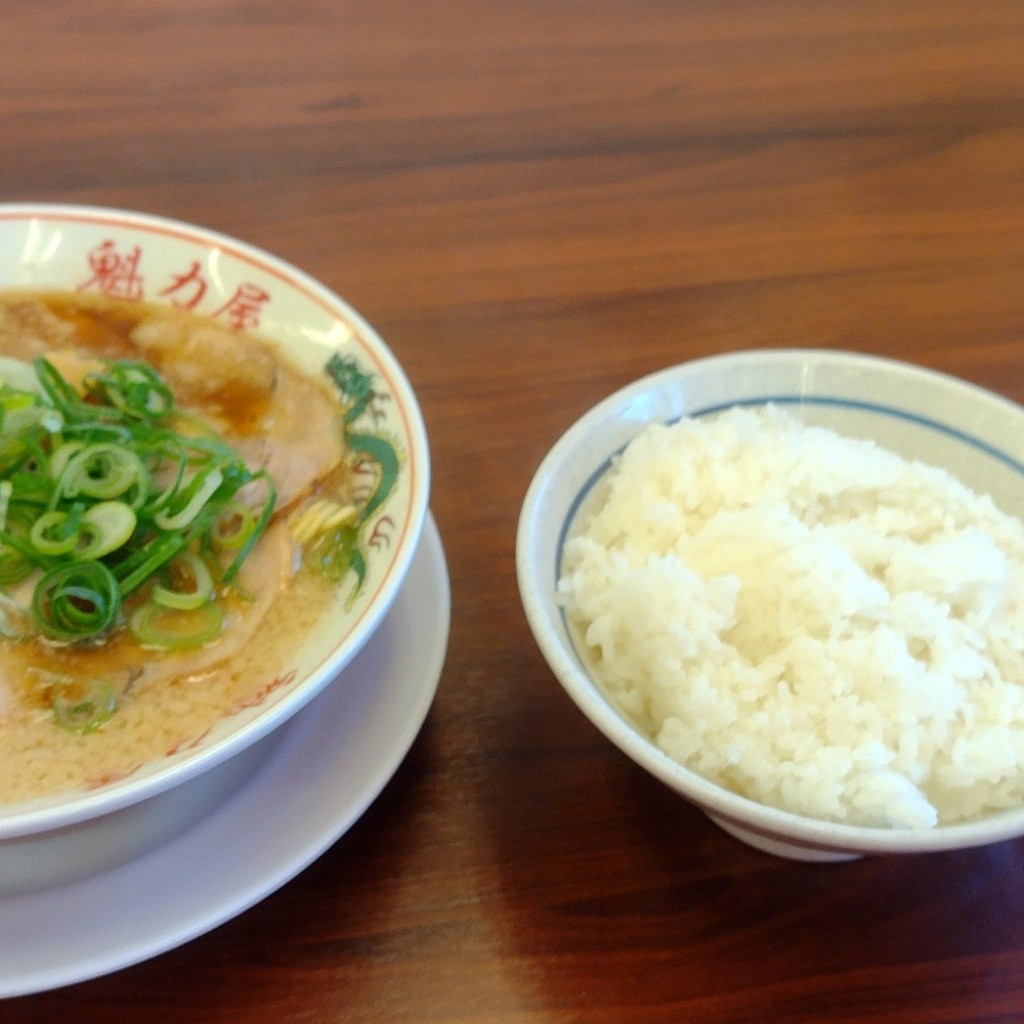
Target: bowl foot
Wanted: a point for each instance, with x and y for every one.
(780, 848)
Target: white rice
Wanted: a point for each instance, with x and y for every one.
(809, 620)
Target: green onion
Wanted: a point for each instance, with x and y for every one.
(87, 714)
(133, 388)
(61, 394)
(233, 526)
(77, 600)
(140, 565)
(100, 494)
(57, 533)
(106, 526)
(193, 498)
(171, 628)
(62, 456)
(261, 525)
(18, 558)
(6, 490)
(18, 419)
(102, 471)
(185, 583)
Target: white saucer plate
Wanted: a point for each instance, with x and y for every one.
(321, 773)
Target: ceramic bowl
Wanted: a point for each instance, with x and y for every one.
(918, 413)
(123, 254)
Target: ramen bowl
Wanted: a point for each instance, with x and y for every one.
(114, 255)
(976, 436)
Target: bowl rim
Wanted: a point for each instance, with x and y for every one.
(66, 809)
(536, 587)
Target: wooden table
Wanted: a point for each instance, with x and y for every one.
(536, 203)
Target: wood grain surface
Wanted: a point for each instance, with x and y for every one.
(535, 203)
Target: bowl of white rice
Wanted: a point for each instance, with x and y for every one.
(790, 585)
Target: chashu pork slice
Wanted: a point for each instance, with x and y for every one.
(276, 416)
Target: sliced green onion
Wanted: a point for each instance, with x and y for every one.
(62, 455)
(197, 495)
(134, 570)
(60, 393)
(133, 388)
(88, 714)
(57, 533)
(79, 503)
(101, 471)
(185, 583)
(233, 526)
(17, 558)
(160, 501)
(106, 526)
(76, 601)
(6, 490)
(172, 628)
(262, 522)
(19, 419)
